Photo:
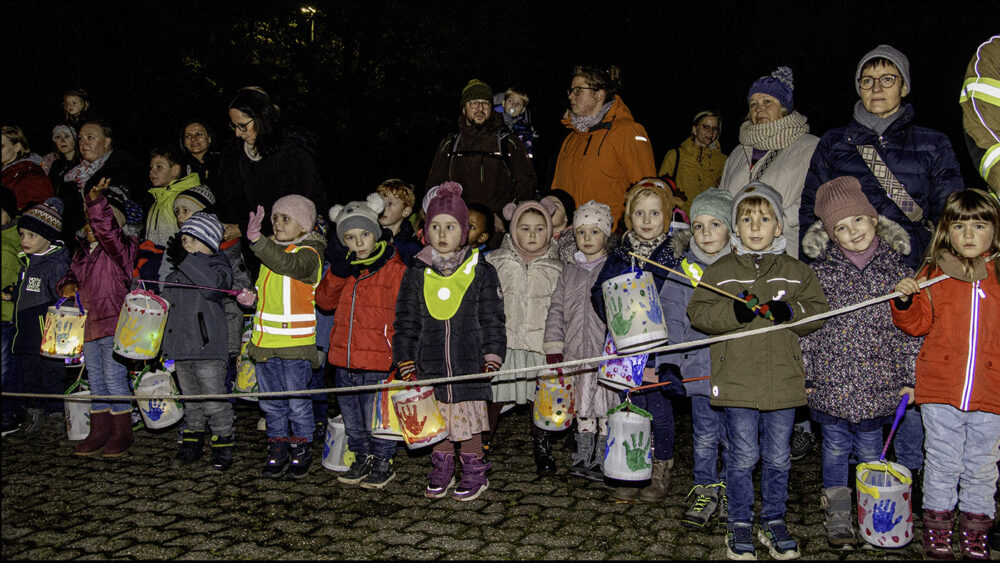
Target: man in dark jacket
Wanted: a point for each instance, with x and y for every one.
(484, 156)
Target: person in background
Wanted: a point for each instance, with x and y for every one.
(562, 224)
(480, 227)
(513, 104)
(399, 201)
(76, 107)
(12, 409)
(200, 156)
(64, 155)
(21, 173)
(166, 181)
(697, 163)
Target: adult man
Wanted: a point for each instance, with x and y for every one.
(484, 156)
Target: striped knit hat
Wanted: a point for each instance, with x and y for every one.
(205, 227)
(44, 219)
(201, 195)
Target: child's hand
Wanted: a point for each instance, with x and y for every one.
(7, 293)
(246, 298)
(776, 311)
(69, 290)
(908, 391)
(175, 251)
(490, 366)
(253, 226)
(99, 189)
(908, 287)
(745, 311)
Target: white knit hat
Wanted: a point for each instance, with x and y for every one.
(358, 215)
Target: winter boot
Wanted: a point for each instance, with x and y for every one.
(33, 419)
(659, 483)
(474, 480)
(300, 454)
(121, 435)
(222, 452)
(706, 502)
(596, 471)
(100, 431)
(190, 449)
(358, 470)
(442, 476)
(583, 459)
(937, 534)
(545, 464)
(994, 536)
(836, 502)
(626, 494)
(380, 475)
(277, 457)
(972, 533)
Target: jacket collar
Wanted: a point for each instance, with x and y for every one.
(858, 134)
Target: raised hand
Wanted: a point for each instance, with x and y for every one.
(635, 456)
(619, 324)
(253, 225)
(882, 514)
(99, 189)
(408, 416)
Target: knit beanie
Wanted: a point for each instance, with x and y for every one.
(894, 56)
(593, 213)
(64, 128)
(300, 208)
(476, 90)
(44, 219)
(715, 203)
(760, 189)
(778, 84)
(447, 200)
(8, 201)
(358, 215)
(839, 198)
(658, 188)
(513, 212)
(201, 196)
(205, 227)
(569, 205)
(118, 201)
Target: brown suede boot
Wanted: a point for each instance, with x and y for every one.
(972, 531)
(100, 431)
(659, 482)
(121, 435)
(937, 534)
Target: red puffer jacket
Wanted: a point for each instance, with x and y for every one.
(365, 310)
(28, 182)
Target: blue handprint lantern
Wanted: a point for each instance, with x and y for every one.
(163, 410)
(335, 445)
(629, 454)
(885, 515)
(632, 306)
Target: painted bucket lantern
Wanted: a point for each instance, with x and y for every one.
(620, 373)
(140, 325)
(553, 407)
(385, 423)
(158, 412)
(77, 411)
(62, 334)
(419, 416)
(335, 452)
(246, 375)
(885, 511)
(629, 453)
(635, 318)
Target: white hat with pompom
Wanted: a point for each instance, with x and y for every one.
(358, 215)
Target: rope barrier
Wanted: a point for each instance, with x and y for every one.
(474, 376)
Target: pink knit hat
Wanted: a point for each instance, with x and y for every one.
(299, 208)
(447, 200)
(513, 211)
(839, 198)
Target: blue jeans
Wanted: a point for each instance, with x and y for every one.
(839, 441)
(662, 409)
(106, 375)
(758, 435)
(909, 440)
(356, 408)
(11, 377)
(296, 410)
(963, 449)
(709, 432)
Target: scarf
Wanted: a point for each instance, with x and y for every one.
(778, 246)
(874, 122)
(861, 259)
(581, 260)
(583, 123)
(705, 258)
(447, 264)
(251, 152)
(774, 135)
(82, 172)
(644, 247)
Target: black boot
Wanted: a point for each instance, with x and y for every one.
(222, 452)
(191, 448)
(544, 463)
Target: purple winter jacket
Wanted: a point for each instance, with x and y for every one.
(104, 273)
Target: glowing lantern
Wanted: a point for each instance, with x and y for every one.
(419, 417)
(161, 411)
(635, 318)
(246, 375)
(885, 511)
(62, 334)
(620, 373)
(629, 453)
(553, 408)
(385, 423)
(140, 325)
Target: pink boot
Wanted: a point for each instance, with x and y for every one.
(474, 480)
(972, 529)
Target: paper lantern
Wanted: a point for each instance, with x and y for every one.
(140, 325)
(246, 375)
(885, 511)
(385, 423)
(335, 445)
(553, 407)
(620, 373)
(628, 455)
(161, 411)
(77, 411)
(62, 334)
(635, 318)
(419, 417)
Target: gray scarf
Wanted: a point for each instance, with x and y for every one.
(774, 135)
(583, 123)
(705, 258)
(874, 122)
(778, 246)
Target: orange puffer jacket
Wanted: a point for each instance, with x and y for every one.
(365, 310)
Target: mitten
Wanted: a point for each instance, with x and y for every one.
(340, 265)
(554, 358)
(246, 298)
(253, 225)
(490, 366)
(776, 311)
(408, 371)
(671, 373)
(175, 251)
(744, 311)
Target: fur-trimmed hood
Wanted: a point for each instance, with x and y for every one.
(816, 243)
(680, 241)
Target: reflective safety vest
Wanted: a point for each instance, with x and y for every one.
(443, 294)
(286, 311)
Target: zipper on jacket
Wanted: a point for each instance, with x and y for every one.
(350, 324)
(970, 365)
(447, 353)
(587, 146)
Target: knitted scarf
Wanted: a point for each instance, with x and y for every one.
(705, 258)
(447, 264)
(82, 172)
(874, 122)
(774, 135)
(583, 123)
(778, 246)
(644, 247)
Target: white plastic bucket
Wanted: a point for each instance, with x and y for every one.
(158, 413)
(885, 510)
(62, 334)
(419, 417)
(553, 407)
(620, 373)
(634, 315)
(140, 325)
(77, 416)
(335, 445)
(628, 455)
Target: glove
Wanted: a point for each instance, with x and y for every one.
(253, 226)
(340, 264)
(776, 311)
(554, 358)
(246, 298)
(671, 373)
(408, 371)
(744, 311)
(490, 366)
(175, 251)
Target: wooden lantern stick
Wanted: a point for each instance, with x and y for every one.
(695, 280)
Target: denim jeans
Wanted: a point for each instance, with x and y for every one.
(963, 449)
(107, 376)
(356, 408)
(205, 377)
(708, 433)
(11, 377)
(662, 409)
(758, 435)
(839, 441)
(909, 440)
(321, 402)
(295, 410)
(41, 374)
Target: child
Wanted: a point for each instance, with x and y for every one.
(450, 321)
(573, 332)
(852, 392)
(698, 248)
(517, 118)
(11, 246)
(759, 380)
(43, 261)
(529, 269)
(361, 287)
(283, 342)
(196, 337)
(648, 205)
(480, 227)
(399, 200)
(958, 384)
(164, 176)
(562, 224)
(101, 272)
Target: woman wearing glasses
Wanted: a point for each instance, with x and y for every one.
(697, 164)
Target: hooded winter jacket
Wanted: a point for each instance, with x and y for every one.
(196, 325)
(697, 169)
(35, 292)
(161, 222)
(527, 291)
(28, 182)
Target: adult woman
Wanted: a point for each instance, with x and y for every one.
(20, 173)
(697, 164)
(64, 155)
(775, 148)
(199, 155)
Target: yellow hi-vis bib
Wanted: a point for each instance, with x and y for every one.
(286, 312)
(443, 294)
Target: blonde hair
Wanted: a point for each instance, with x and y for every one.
(398, 189)
(754, 203)
(654, 187)
(16, 137)
(967, 205)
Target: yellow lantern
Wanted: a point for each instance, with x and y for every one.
(385, 423)
(62, 334)
(419, 417)
(554, 407)
(140, 325)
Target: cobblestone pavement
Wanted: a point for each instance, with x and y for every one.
(56, 506)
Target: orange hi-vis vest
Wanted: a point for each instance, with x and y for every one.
(286, 310)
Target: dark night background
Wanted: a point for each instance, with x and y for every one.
(379, 81)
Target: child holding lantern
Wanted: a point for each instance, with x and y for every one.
(450, 321)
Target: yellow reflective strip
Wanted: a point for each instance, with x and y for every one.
(982, 89)
(989, 160)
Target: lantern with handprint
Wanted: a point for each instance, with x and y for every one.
(635, 318)
(885, 514)
(162, 410)
(62, 334)
(553, 407)
(385, 423)
(628, 455)
(140, 325)
(335, 445)
(620, 373)
(419, 417)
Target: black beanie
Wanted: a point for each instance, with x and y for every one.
(567, 202)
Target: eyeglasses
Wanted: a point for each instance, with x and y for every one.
(241, 126)
(575, 90)
(885, 81)
(477, 104)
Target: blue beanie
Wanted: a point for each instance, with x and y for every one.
(205, 227)
(778, 84)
